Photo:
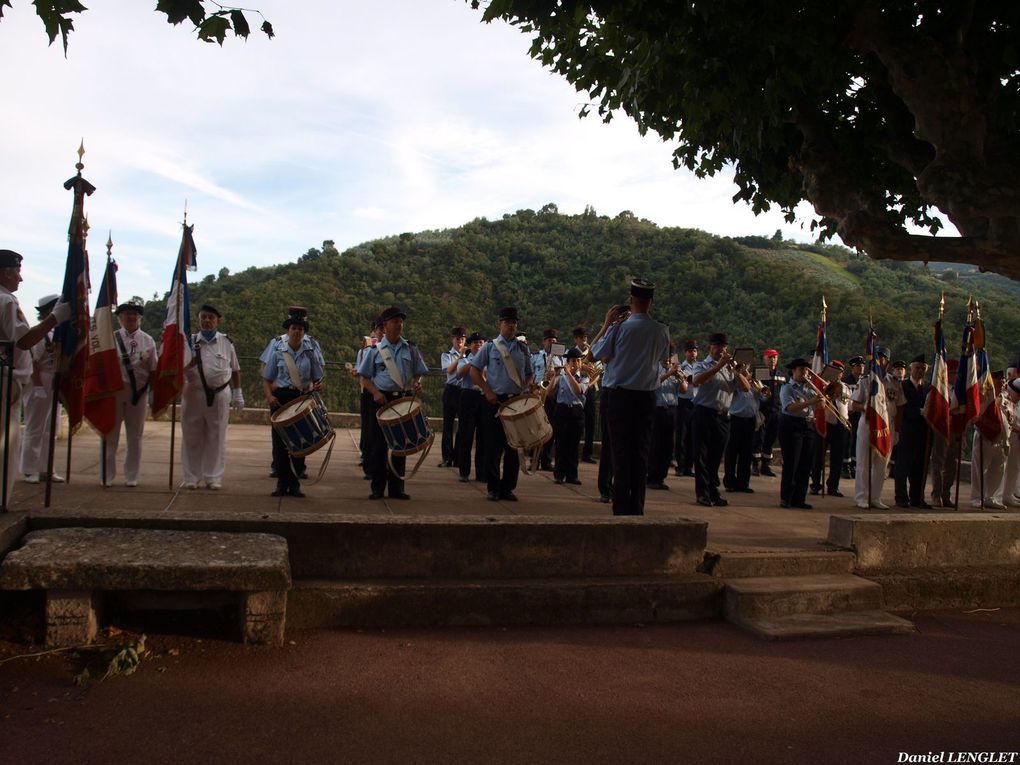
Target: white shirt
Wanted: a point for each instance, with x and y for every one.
(219, 361)
(141, 353)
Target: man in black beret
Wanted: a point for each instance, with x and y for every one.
(915, 438)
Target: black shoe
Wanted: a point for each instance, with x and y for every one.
(492, 496)
(400, 495)
(303, 475)
(728, 485)
(704, 501)
(573, 482)
(835, 493)
(463, 478)
(589, 460)
(376, 495)
(558, 480)
(295, 491)
(784, 503)
(273, 473)
(545, 468)
(922, 505)
(367, 477)
(508, 496)
(678, 473)
(280, 491)
(902, 503)
(816, 490)
(657, 486)
(767, 471)
(745, 490)
(688, 474)
(719, 502)
(802, 506)
(754, 469)
(605, 499)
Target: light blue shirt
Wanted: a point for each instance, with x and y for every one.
(744, 404)
(306, 359)
(716, 392)
(490, 360)
(791, 393)
(632, 351)
(270, 348)
(466, 383)
(445, 360)
(665, 394)
(687, 370)
(565, 394)
(407, 358)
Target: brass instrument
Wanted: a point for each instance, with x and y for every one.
(593, 371)
(756, 385)
(548, 378)
(827, 402)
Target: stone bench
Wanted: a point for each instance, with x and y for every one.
(75, 566)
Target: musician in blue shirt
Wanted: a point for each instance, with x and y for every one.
(292, 367)
(797, 436)
(740, 445)
(631, 349)
(391, 369)
(498, 383)
(451, 394)
(664, 422)
(544, 364)
(569, 417)
(469, 431)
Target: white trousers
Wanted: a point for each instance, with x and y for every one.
(38, 403)
(1012, 475)
(14, 444)
(986, 455)
(879, 467)
(133, 417)
(204, 434)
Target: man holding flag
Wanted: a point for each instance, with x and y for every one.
(877, 397)
(103, 378)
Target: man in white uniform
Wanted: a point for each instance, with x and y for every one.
(206, 402)
(137, 363)
(15, 329)
(865, 486)
(38, 403)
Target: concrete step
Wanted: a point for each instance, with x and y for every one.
(842, 624)
(437, 602)
(742, 564)
(453, 547)
(765, 597)
(949, 588)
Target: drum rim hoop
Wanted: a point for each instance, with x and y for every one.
(274, 420)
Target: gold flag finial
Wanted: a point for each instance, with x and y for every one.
(81, 153)
(942, 305)
(185, 212)
(109, 244)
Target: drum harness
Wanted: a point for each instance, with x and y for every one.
(136, 393)
(210, 393)
(390, 363)
(295, 377)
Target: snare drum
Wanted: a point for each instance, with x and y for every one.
(303, 425)
(525, 422)
(404, 427)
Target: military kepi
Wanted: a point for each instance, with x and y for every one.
(206, 308)
(641, 288)
(509, 313)
(393, 312)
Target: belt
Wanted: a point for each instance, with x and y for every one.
(716, 412)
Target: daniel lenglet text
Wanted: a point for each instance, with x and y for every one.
(959, 757)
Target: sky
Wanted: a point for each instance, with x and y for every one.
(359, 120)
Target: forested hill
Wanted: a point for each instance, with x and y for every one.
(564, 270)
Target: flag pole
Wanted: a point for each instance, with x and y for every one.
(825, 441)
(959, 452)
(927, 433)
(106, 283)
(70, 431)
(76, 232)
(871, 374)
(173, 406)
(981, 438)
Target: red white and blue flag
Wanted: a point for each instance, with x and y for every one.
(989, 421)
(102, 375)
(968, 395)
(937, 405)
(175, 349)
(818, 361)
(877, 412)
(72, 337)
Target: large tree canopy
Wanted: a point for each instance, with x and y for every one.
(877, 113)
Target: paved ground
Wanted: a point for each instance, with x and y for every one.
(704, 692)
(751, 520)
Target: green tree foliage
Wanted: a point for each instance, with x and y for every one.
(563, 270)
(877, 112)
(212, 21)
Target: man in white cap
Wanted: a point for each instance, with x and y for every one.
(138, 359)
(206, 402)
(38, 403)
(15, 329)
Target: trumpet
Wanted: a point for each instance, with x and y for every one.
(756, 385)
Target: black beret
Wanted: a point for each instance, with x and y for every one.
(10, 259)
(206, 308)
(393, 312)
(129, 307)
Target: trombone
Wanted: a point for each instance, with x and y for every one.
(756, 385)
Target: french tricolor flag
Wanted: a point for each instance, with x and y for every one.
(877, 412)
(936, 407)
(102, 373)
(175, 350)
(967, 391)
